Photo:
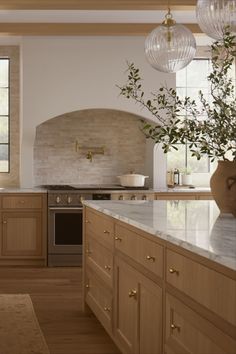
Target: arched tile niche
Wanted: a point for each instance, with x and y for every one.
(58, 161)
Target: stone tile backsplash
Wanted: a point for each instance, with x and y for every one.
(56, 160)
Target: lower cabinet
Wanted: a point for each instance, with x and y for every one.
(23, 231)
(189, 333)
(138, 311)
(22, 234)
(153, 297)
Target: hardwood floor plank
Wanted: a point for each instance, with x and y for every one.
(57, 297)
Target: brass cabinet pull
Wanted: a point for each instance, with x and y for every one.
(106, 232)
(151, 258)
(107, 267)
(133, 293)
(108, 309)
(118, 238)
(4, 221)
(88, 251)
(87, 286)
(172, 271)
(174, 326)
(87, 221)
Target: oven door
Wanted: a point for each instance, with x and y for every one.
(65, 230)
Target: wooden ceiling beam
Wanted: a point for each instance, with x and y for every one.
(82, 29)
(96, 4)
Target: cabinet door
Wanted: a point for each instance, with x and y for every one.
(126, 308)
(21, 234)
(189, 333)
(138, 321)
(150, 317)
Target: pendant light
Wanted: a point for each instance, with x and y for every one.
(170, 47)
(214, 16)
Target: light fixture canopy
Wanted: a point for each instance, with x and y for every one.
(170, 47)
(214, 16)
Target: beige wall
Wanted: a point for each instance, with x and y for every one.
(56, 159)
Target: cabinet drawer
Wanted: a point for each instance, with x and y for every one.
(101, 227)
(206, 286)
(189, 333)
(99, 299)
(22, 202)
(142, 250)
(99, 259)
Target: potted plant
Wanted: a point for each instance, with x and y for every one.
(214, 135)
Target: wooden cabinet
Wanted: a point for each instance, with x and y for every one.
(183, 196)
(189, 333)
(98, 264)
(23, 231)
(138, 303)
(154, 297)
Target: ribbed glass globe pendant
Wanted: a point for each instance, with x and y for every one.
(214, 16)
(170, 47)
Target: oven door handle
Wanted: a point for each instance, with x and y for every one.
(66, 208)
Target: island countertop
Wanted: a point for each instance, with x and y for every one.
(193, 225)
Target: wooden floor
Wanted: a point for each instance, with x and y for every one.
(57, 298)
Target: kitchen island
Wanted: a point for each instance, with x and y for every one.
(161, 275)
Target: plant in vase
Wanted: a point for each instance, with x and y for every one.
(214, 135)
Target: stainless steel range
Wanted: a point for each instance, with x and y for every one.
(65, 220)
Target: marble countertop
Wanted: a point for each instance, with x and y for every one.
(23, 190)
(191, 224)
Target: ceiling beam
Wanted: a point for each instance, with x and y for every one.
(82, 29)
(96, 4)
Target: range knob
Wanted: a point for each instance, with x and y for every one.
(69, 200)
(144, 197)
(133, 197)
(58, 199)
(121, 197)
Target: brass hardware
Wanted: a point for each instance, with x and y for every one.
(174, 326)
(107, 267)
(108, 309)
(87, 286)
(118, 238)
(133, 293)
(133, 197)
(106, 232)
(88, 251)
(172, 271)
(91, 151)
(87, 221)
(151, 258)
(4, 222)
(22, 201)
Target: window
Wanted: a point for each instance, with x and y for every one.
(188, 83)
(9, 116)
(4, 114)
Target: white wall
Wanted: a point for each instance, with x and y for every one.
(64, 74)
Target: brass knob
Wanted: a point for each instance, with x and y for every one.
(88, 251)
(4, 221)
(87, 221)
(172, 271)
(106, 232)
(133, 293)
(22, 201)
(151, 258)
(87, 286)
(108, 309)
(174, 326)
(107, 267)
(118, 238)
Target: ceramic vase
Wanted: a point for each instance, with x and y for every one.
(223, 186)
